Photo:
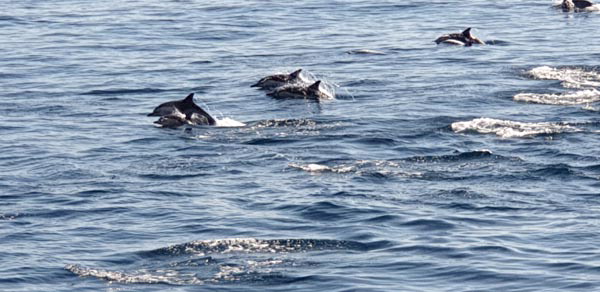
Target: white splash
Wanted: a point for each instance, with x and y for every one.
(243, 245)
(229, 123)
(318, 168)
(361, 167)
(570, 77)
(137, 277)
(511, 129)
(569, 98)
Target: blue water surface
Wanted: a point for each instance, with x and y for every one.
(426, 173)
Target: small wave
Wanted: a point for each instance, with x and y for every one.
(9, 18)
(365, 52)
(559, 170)
(477, 154)
(429, 224)
(200, 62)
(124, 91)
(511, 129)
(317, 168)
(570, 77)
(570, 98)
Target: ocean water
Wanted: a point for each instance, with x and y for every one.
(436, 168)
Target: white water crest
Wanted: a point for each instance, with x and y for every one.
(570, 98)
(228, 122)
(570, 77)
(511, 129)
(318, 168)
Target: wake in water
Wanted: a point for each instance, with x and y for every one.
(218, 261)
(570, 98)
(570, 77)
(366, 168)
(434, 167)
(511, 129)
(576, 78)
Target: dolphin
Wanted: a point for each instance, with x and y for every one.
(274, 81)
(182, 110)
(577, 5)
(465, 38)
(298, 91)
(171, 121)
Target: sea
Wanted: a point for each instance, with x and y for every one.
(435, 168)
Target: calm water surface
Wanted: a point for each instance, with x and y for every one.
(437, 168)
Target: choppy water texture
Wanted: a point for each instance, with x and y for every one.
(436, 168)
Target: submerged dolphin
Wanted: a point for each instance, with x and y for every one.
(171, 121)
(298, 91)
(465, 38)
(578, 5)
(274, 81)
(182, 111)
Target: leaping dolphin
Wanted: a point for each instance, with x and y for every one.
(299, 91)
(465, 38)
(274, 81)
(181, 112)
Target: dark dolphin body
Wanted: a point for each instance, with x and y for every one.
(465, 38)
(299, 91)
(181, 112)
(274, 81)
(576, 5)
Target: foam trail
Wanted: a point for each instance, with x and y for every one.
(511, 129)
(569, 98)
(570, 77)
(138, 277)
(229, 123)
(216, 261)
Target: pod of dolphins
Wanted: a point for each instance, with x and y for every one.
(177, 113)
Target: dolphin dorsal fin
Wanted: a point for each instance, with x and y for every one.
(467, 32)
(296, 73)
(315, 86)
(189, 98)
